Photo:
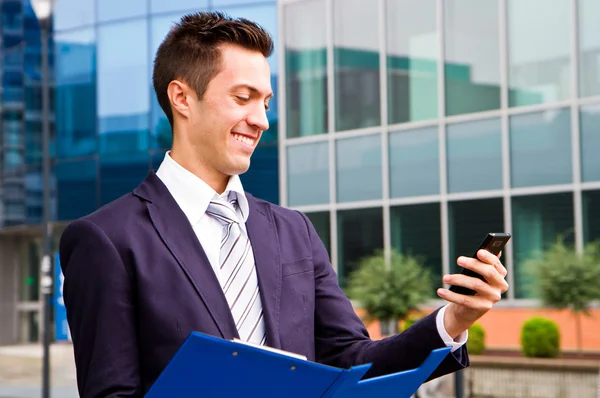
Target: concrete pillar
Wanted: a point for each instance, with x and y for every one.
(9, 294)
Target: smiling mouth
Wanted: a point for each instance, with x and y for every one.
(244, 139)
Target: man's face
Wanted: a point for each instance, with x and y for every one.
(228, 122)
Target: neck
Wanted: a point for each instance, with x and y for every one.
(186, 157)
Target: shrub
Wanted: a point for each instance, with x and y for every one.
(476, 341)
(540, 337)
(408, 322)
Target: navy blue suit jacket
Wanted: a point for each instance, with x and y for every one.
(137, 282)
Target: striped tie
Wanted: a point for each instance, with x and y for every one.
(239, 280)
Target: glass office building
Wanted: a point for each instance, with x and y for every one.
(421, 125)
(416, 125)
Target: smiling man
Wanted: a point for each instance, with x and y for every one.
(189, 250)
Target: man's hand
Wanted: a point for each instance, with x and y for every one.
(464, 310)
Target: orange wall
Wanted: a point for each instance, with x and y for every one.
(503, 327)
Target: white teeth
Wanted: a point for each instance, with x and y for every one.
(244, 139)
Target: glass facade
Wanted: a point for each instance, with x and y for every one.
(484, 118)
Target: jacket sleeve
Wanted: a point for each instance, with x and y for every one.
(99, 299)
(342, 340)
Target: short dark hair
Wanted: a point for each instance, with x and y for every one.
(190, 51)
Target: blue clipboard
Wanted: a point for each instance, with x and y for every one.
(207, 366)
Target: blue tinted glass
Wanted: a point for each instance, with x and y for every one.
(75, 71)
(590, 143)
(157, 159)
(69, 14)
(262, 179)
(474, 156)
(123, 87)
(116, 9)
(34, 194)
(216, 4)
(589, 45)
(157, 6)
(308, 174)
(414, 162)
(540, 148)
(120, 175)
(358, 168)
(13, 158)
(76, 183)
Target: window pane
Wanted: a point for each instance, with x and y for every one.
(416, 231)
(77, 188)
(69, 14)
(322, 224)
(121, 174)
(116, 9)
(412, 57)
(360, 234)
(590, 143)
(540, 148)
(308, 174)
(472, 64)
(262, 179)
(123, 87)
(305, 68)
(538, 51)
(356, 53)
(589, 48)
(591, 216)
(220, 3)
(474, 156)
(414, 162)
(468, 223)
(75, 71)
(537, 222)
(157, 6)
(358, 166)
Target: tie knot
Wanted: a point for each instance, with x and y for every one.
(223, 210)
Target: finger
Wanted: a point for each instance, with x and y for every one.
(489, 273)
(490, 259)
(481, 288)
(473, 302)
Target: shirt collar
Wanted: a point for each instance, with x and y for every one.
(192, 194)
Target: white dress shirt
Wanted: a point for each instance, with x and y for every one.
(193, 196)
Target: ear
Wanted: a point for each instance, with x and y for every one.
(179, 97)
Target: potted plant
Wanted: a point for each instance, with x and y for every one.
(389, 292)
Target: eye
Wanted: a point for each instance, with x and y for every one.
(242, 99)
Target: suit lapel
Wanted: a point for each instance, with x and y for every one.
(265, 245)
(178, 236)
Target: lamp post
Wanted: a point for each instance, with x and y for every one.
(43, 12)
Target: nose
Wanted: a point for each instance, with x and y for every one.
(258, 118)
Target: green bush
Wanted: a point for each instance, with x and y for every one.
(408, 322)
(540, 337)
(476, 341)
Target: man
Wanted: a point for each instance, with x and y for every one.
(189, 250)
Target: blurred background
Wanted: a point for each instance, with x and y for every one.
(414, 126)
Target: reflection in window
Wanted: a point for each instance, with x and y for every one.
(69, 14)
(13, 158)
(158, 6)
(540, 148)
(474, 156)
(414, 162)
(590, 143)
(537, 222)
(75, 71)
(412, 57)
(308, 174)
(356, 54)
(360, 234)
(77, 188)
(305, 68)
(416, 231)
(538, 51)
(358, 168)
(472, 65)
(123, 87)
(591, 216)
(262, 179)
(469, 222)
(322, 224)
(109, 10)
(589, 48)
(120, 175)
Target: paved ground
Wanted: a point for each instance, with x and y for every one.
(21, 371)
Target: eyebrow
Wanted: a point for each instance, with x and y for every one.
(252, 89)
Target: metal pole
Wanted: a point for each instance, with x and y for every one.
(459, 385)
(46, 281)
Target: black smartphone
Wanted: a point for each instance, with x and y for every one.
(494, 242)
